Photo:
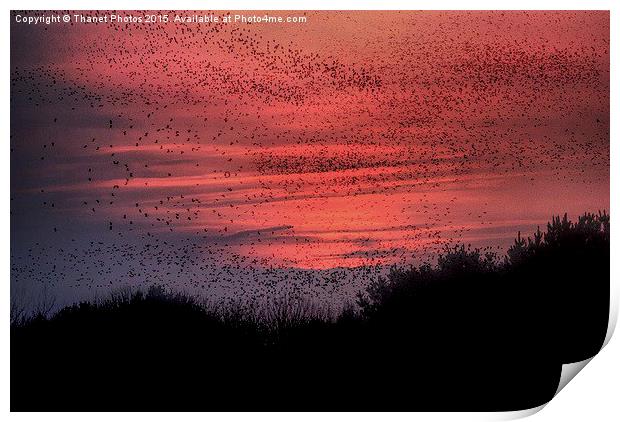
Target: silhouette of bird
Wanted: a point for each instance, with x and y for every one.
(247, 160)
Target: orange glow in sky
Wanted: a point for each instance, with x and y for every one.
(356, 138)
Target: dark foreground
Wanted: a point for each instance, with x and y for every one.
(471, 333)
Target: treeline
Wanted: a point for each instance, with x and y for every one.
(476, 331)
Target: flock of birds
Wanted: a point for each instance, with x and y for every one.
(244, 160)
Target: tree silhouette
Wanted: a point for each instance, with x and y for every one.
(472, 332)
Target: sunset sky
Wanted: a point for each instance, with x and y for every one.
(353, 139)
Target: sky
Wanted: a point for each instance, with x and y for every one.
(218, 156)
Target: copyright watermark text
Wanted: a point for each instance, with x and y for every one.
(150, 18)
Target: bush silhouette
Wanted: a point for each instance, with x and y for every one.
(472, 332)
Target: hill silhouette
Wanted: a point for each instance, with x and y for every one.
(476, 331)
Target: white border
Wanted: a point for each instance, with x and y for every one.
(593, 395)
(315, 5)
